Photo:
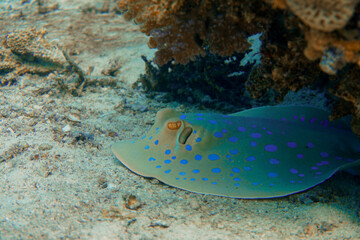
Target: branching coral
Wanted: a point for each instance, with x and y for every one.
(183, 29)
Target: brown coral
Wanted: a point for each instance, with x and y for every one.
(321, 44)
(182, 29)
(29, 52)
(324, 15)
(32, 44)
(6, 63)
(348, 90)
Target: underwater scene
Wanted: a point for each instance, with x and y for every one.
(180, 119)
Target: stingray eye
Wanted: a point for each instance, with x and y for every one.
(174, 125)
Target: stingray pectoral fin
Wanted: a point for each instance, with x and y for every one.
(129, 155)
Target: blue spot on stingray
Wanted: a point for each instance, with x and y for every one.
(268, 132)
(236, 170)
(167, 152)
(198, 139)
(173, 157)
(310, 145)
(194, 131)
(294, 171)
(301, 175)
(233, 139)
(234, 151)
(184, 161)
(182, 173)
(272, 174)
(241, 129)
(152, 159)
(247, 168)
(224, 131)
(188, 147)
(199, 119)
(167, 161)
(218, 134)
(183, 117)
(196, 171)
(300, 156)
(250, 158)
(326, 123)
(158, 166)
(213, 122)
(231, 174)
(156, 142)
(274, 161)
(271, 148)
(143, 137)
(292, 144)
(147, 147)
(167, 171)
(314, 168)
(214, 183)
(198, 157)
(150, 137)
(253, 144)
(255, 135)
(213, 157)
(236, 184)
(216, 170)
(237, 179)
(192, 179)
(324, 154)
(228, 156)
(255, 183)
(199, 114)
(205, 179)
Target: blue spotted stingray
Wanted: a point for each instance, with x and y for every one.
(263, 152)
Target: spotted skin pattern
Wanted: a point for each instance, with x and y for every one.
(258, 153)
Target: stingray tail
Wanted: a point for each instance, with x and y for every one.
(352, 167)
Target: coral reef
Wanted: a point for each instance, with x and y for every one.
(29, 52)
(284, 68)
(182, 29)
(328, 45)
(296, 34)
(323, 15)
(347, 88)
(210, 81)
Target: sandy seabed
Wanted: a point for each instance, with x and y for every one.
(60, 180)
